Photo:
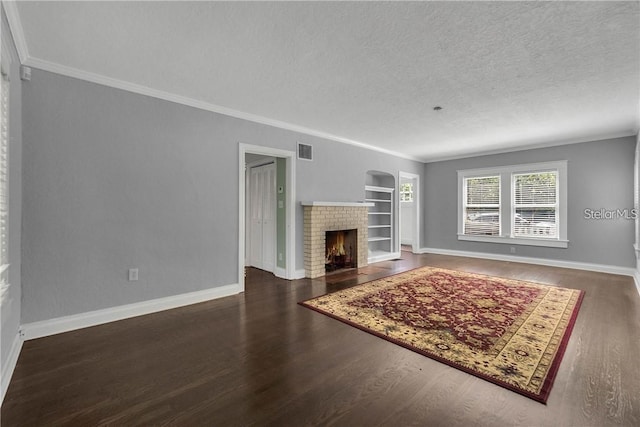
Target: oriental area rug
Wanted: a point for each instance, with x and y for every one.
(510, 332)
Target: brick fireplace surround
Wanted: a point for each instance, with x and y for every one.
(320, 217)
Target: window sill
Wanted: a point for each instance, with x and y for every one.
(555, 243)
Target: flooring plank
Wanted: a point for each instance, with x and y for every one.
(259, 358)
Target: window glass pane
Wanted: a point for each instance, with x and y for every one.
(483, 221)
(406, 192)
(535, 205)
(482, 208)
(535, 188)
(484, 190)
(535, 222)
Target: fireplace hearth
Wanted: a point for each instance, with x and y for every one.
(341, 249)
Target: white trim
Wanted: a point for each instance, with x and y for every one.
(290, 158)
(519, 168)
(7, 58)
(415, 246)
(10, 365)
(58, 325)
(17, 31)
(531, 241)
(636, 280)
(601, 268)
(299, 274)
(195, 103)
(533, 146)
(346, 204)
(280, 272)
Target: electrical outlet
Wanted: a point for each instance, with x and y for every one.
(133, 274)
(512, 249)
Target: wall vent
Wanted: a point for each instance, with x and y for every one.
(305, 151)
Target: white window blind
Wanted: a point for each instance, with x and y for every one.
(481, 207)
(4, 181)
(535, 204)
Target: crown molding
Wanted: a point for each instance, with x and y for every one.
(202, 105)
(17, 32)
(548, 144)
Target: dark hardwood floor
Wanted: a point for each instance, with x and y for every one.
(259, 358)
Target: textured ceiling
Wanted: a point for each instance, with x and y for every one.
(507, 74)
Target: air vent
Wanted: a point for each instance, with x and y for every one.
(305, 151)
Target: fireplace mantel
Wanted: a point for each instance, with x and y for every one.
(346, 204)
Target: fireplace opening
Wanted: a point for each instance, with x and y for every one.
(341, 250)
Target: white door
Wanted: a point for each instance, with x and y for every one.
(410, 210)
(406, 211)
(262, 201)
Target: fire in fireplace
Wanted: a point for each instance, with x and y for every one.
(341, 249)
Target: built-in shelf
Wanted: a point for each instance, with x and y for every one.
(381, 233)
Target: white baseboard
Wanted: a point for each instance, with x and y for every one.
(602, 268)
(636, 279)
(58, 325)
(9, 366)
(280, 273)
(299, 274)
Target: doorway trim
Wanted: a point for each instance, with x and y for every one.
(415, 246)
(290, 211)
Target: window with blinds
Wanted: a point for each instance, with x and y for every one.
(4, 181)
(522, 204)
(535, 204)
(481, 208)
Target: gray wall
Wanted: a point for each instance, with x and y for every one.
(114, 180)
(600, 175)
(10, 310)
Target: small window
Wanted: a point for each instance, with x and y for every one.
(406, 192)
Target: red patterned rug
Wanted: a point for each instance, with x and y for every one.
(510, 332)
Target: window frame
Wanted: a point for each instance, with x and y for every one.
(465, 205)
(5, 76)
(515, 206)
(507, 204)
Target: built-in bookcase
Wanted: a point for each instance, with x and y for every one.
(381, 222)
